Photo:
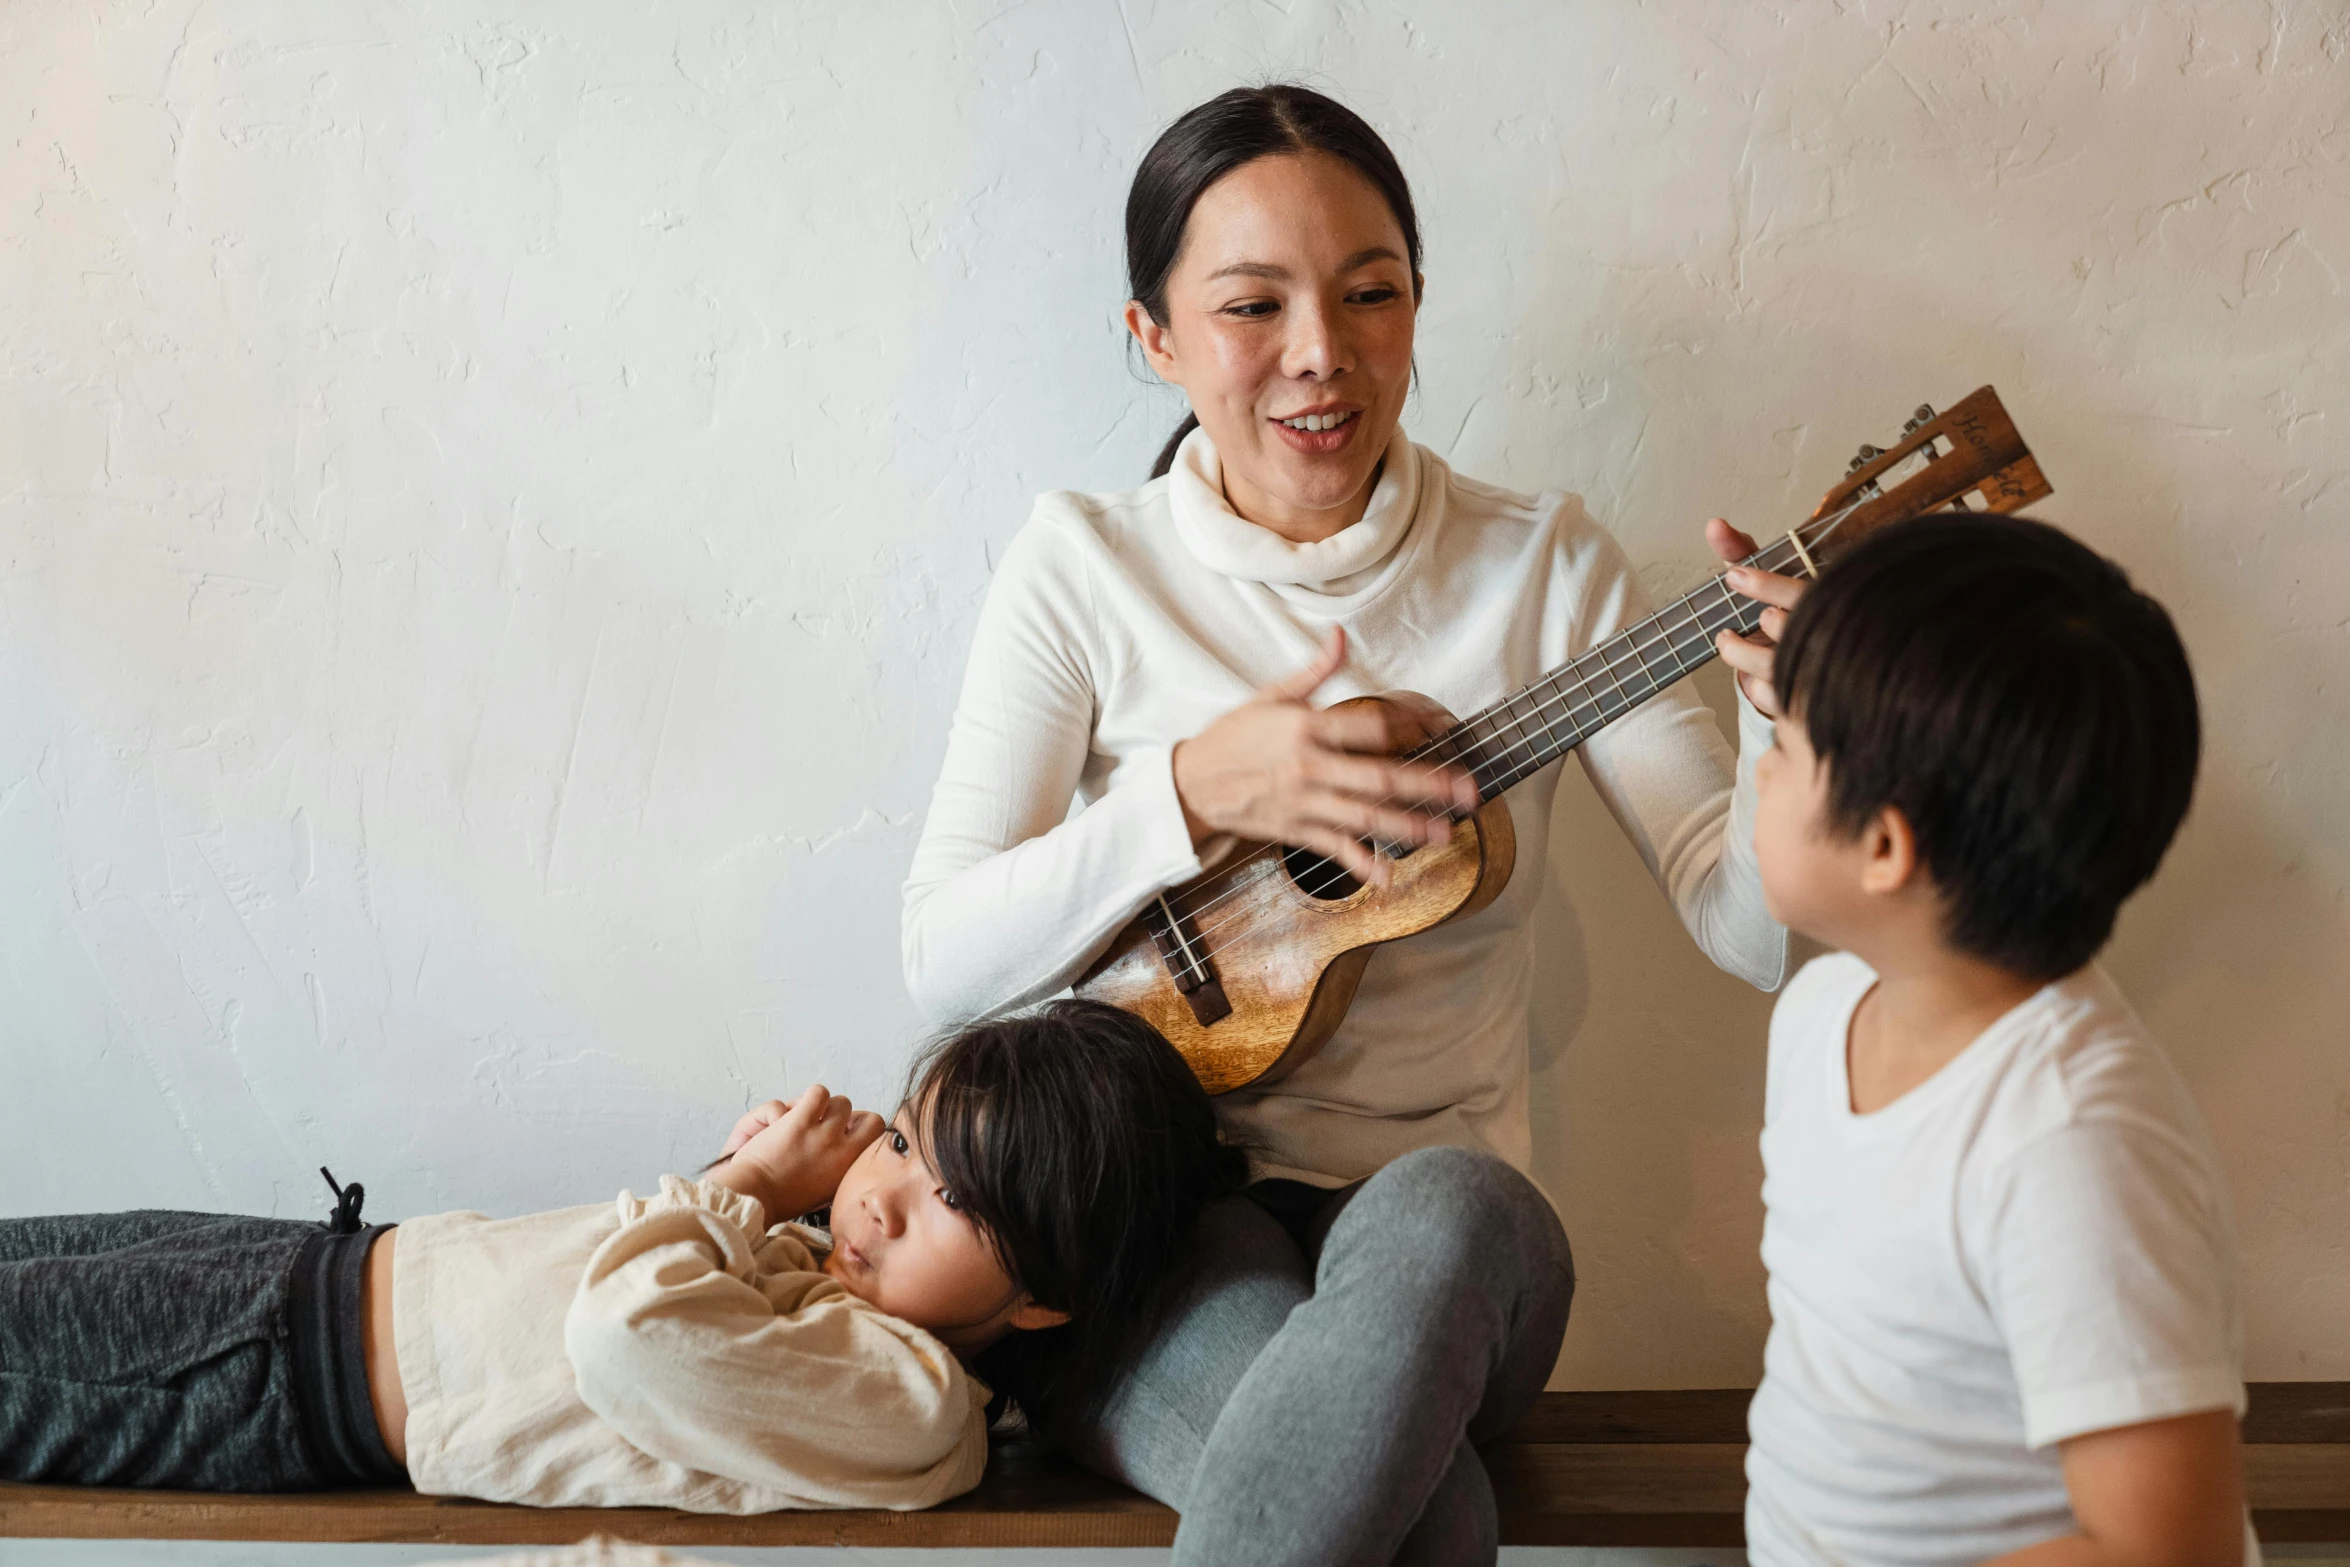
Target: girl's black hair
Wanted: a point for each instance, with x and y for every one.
(2029, 711)
(1084, 1149)
(1211, 141)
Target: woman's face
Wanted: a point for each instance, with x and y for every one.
(1292, 300)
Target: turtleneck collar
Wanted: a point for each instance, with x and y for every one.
(1340, 566)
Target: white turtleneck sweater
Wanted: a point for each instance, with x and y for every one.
(1118, 625)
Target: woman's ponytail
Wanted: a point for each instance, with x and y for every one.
(1167, 452)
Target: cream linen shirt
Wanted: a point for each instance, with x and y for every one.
(671, 1352)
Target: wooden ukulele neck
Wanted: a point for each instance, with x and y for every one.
(1971, 454)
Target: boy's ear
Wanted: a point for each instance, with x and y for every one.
(1028, 1316)
(1889, 850)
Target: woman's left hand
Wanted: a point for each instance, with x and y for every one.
(1751, 656)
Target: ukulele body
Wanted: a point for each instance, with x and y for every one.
(1289, 960)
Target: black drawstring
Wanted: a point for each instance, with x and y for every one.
(347, 1201)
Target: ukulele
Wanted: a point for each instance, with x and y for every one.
(1248, 968)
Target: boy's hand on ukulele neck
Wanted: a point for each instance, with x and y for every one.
(1751, 656)
(1281, 771)
(791, 1154)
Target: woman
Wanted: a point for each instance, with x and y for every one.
(1392, 1273)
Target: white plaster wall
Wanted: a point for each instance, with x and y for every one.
(493, 498)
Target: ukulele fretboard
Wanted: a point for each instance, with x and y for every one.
(1523, 733)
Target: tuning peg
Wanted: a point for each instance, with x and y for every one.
(1924, 416)
(1868, 454)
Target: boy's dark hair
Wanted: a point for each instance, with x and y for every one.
(2028, 711)
(1084, 1149)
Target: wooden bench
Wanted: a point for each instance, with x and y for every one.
(1648, 1468)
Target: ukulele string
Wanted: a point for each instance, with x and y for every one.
(1626, 653)
(1547, 711)
(1623, 650)
(1626, 646)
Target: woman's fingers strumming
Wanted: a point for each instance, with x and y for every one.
(1361, 729)
(1352, 853)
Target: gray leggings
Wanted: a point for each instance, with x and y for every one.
(1316, 1390)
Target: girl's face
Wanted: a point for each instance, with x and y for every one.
(900, 1241)
(1293, 298)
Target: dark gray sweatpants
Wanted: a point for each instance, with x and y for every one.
(1315, 1394)
(154, 1349)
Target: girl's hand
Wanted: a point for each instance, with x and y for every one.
(1751, 656)
(792, 1155)
(1280, 771)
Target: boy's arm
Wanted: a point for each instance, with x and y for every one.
(2169, 1493)
(2104, 1252)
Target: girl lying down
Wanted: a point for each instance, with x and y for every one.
(683, 1350)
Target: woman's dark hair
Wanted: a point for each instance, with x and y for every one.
(2029, 712)
(1084, 1149)
(1211, 141)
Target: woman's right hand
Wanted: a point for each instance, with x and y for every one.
(1280, 771)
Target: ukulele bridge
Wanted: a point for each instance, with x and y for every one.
(1188, 964)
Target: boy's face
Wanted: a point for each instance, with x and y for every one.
(1811, 874)
(900, 1242)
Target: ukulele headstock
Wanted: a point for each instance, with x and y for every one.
(1969, 458)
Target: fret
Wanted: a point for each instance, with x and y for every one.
(1501, 721)
(1630, 642)
(1521, 739)
(1701, 645)
(1623, 703)
(1550, 745)
(1654, 684)
(1526, 731)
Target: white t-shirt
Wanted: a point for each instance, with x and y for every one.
(1118, 625)
(2032, 1244)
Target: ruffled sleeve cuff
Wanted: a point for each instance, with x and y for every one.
(745, 1212)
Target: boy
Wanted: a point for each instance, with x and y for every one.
(2001, 1263)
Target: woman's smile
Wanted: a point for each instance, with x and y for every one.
(1321, 430)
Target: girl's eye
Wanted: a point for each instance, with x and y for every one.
(897, 1142)
(950, 1199)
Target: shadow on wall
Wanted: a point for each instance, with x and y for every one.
(1648, 1070)
(2235, 957)
(1645, 1127)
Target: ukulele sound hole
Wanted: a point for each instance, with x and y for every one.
(1318, 877)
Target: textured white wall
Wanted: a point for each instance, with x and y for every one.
(493, 498)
